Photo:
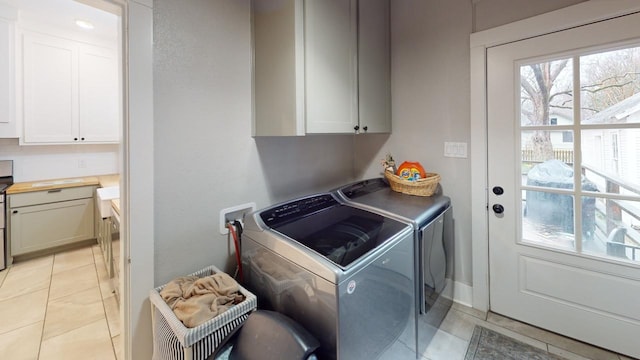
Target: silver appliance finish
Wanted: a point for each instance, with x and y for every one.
(358, 310)
(432, 221)
(6, 179)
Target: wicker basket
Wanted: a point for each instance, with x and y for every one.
(173, 341)
(421, 187)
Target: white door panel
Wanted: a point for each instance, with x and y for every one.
(548, 275)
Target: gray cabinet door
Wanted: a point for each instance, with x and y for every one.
(374, 66)
(331, 66)
(39, 227)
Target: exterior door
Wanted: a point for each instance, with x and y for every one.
(564, 182)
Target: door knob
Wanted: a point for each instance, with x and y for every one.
(498, 190)
(498, 209)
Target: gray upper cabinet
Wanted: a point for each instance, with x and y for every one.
(321, 67)
(374, 66)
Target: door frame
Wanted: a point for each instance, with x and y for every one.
(137, 178)
(562, 19)
(136, 174)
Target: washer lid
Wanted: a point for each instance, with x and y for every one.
(377, 194)
(340, 233)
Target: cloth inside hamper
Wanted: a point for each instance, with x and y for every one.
(195, 300)
(173, 340)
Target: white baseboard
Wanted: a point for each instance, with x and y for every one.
(463, 293)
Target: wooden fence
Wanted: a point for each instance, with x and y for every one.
(564, 155)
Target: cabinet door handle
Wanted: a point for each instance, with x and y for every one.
(356, 128)
(15, 211)
(82, 139)
(365, 128)
(75, 139)
(54, 191)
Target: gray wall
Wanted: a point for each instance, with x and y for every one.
(431, 95)
(492, 13)
(205, 159)
(430, 101)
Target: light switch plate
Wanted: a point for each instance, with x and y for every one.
(455, 149)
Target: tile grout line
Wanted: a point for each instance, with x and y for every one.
(46, 307)
(48, 299)
(5, 276)
(104, 307)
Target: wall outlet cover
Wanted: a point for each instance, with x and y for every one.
(234, 213)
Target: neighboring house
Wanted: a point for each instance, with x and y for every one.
(615, 151)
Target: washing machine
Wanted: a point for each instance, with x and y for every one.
(432, 222)
(346, 274)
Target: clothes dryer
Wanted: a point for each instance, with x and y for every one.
(432, 223)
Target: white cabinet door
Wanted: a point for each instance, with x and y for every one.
(374, 67)
(98, 90)
(8, 127)
(331, 72)
(71, 92)
(50, 90)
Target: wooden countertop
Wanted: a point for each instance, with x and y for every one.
(109, 180)
(44, 185)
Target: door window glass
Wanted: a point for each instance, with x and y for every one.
(582, 174)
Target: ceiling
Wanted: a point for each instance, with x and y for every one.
(62, 14)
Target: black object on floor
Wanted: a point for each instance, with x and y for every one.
(268, 335)
(487, 344)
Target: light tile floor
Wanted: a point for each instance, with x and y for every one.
(59, 306)
(453, 336)
(62, 306)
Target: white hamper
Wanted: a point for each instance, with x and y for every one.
(172, 340)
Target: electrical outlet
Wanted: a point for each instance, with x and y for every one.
(234, 213)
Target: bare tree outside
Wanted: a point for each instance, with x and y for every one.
(547, 89)
(542, 89)
(608, 79)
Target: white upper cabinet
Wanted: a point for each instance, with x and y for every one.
(321, 67)
(98, 95)
(70, 91)
(8, 127)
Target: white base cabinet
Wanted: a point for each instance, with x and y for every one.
(45, 219)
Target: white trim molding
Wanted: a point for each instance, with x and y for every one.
(573, 16)
(137, 195)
